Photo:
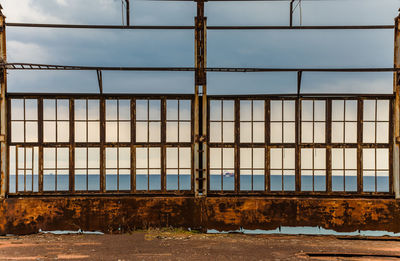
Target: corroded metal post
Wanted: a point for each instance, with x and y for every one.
(3, 106)
(396, 114)
(200, 102)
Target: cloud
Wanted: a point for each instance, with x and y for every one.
(23, 51)
(370, 48)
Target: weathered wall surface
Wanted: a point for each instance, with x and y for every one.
(121, 214)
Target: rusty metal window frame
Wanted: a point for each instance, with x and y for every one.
(236, 145)
(24, 119)
(102, 144)
(56, 169)
(86, 168)
(222, 146)
(34, 167)
(375, 146)
(327, 145)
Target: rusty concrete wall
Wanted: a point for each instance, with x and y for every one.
(114, 215)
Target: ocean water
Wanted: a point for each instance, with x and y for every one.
(217, 183)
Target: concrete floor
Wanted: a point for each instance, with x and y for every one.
(182, 245)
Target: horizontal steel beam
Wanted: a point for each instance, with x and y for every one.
(30, 66)
(188, 27)
(118, 27)
(27, 95)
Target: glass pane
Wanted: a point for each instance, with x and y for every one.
(141, 110)
(276, 132)
(155, 110)
(80, 109)
(351, 111)
(337, 110)
(245, 111)
(185, 110)
(289, 111)
(276, 110)
(124, 110)
(258, 111)
(111, 110)
(63, 110)
(49, 109)
(31, 110)
(17, 109)
(93, 110)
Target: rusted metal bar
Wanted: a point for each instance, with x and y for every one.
(133, 148)
(108, 27)
(102, 146)
(267, 111)
(127, 13)
(31, 66)
(298, 147)
(163, 148)
(201, 121)
(283, 96)
(291, 13)
(299, 76)
(100, 80)
(360, 109)
(221, 27)
(72, 146)
(40, 142)
(237, 145)
(3, 110)
(328, 137)
(396, 114)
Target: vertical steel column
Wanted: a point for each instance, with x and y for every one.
(200, 101)
(396, 114)
(3, 108)
(291, 13)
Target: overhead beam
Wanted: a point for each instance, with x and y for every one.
(185, 27)
(31, 66)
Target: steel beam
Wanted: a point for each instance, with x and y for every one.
(3, 109)
(200, 102)
(396, 114)
(215, 27)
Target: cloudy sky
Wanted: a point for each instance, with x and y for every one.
(351, 48)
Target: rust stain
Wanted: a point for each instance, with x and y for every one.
(116, 215)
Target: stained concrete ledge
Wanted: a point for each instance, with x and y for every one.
(121, 214)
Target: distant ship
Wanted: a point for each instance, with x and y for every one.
(228, 174)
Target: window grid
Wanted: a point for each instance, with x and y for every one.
(86, 169)
(375, 121)
(180, 170)
(117, 169)
(223, 170)
(57, 122)
(148, 121)
(344, 121)
(150, 170)
(252, 121)
(375, 169)
(179, 121)
(381, 106)
(29, 167)
(87, 121)
(55, 171)
(283, 169)
(252, 169)
(283, 122)
(24, 120)
(315, 122)
(345, 169)
(118, 122)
